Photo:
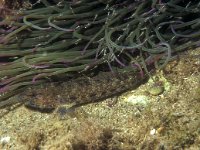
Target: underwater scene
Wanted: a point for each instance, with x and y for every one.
(99, 75)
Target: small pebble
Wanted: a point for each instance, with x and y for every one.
(139, 99)
(153, 132)
(5, 140)
(156, 90)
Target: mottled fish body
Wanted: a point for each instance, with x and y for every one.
(80, 91)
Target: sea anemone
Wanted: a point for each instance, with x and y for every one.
(61, 38)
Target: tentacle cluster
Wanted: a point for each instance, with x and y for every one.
(63, 37)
